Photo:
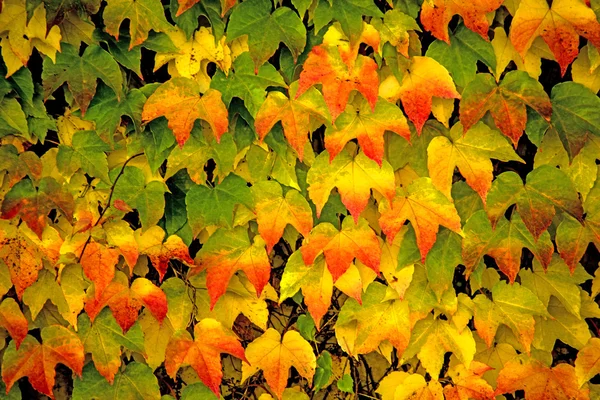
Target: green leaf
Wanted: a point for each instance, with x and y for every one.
(346, 383)
(12, 118)
(442, 260)
(87, 152)
(323, 372)
(307, 329)
(349, 13)
(197, 391)
(179, 300)
(157, 141)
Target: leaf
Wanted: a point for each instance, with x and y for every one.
(203, 353)
(513, 305)
(539, 381)
(361, 328)
(274, 211)
(180, 303)
(506, 102)
(394, 29)
(346, 384)
(228, 251)
(468, 383)
(326, 66)
(505, 53)
(275, 355)
(340, 247)
(179, 100)
(587, 364)
(436, 15)
(402, 385)
(564, 326)
(559, 25)
(295, 114)
(504, 243)
(215, 206)
(470, 152)
(161, 252)
(348, 13)
(136, 381)
(354, 178)
(429, 335)
(81, 73)
(37, 361)
(87, 152)
(13, 320)
(425, 207)
(103, 339)
(143, 15)
(467, 47)
(265, 30)
(547, 189)
(33, 205)
(583, 72)
(98, 262)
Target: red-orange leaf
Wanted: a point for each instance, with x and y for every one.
(325, 65)
(13, 320)
(341, 247)
(204, 353)
(559, 25)
(98, 262)
(37, 360)
(160, 253)
(126, 303)
(179, 100)
(436, 15)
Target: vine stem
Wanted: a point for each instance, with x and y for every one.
(112, 190)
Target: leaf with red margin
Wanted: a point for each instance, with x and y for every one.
(504, 243)
(559, 25)
(37, 361)
(126, 302)
(436, 15)
(424, 79)
(99, 262)
(274, 211)
(179, 100)
(425, 207)
(325, 65)
(13, 320)
(295, 114)
(354, 177)
(467, 383)
(228, 251)
(203, 353)
(34, 205)
(160, 252)
(539, 381)
(185, 5)
(506, 102)
(341, 247)
(368, 126)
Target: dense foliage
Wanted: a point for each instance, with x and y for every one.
(299, 199)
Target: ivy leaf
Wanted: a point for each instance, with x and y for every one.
(274, 211)
(203, 353)
(275, 355)
(425, 207)
(394, 28)
(468, 382)
(13, 320)
(37, 361)
(563, 325)
(136, 381)
(159, 251)
(471, 153)
(143, 16)
(103, 339)
(506, 102)
(81, 73)
(185, 5)
(400, 384)
(349, 13)
(547, 189)
(559, 24)
(354, 178)
(86, 152)
(436, 15)
(587, 364)
(265, 30)
(228, 251)
(98, 262)
(326, 66)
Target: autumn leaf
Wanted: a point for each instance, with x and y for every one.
(37, 361)
(507, 102)
(274, 211)
(402, 385)
(354, 177)
(425, 207)
(99, 262)
(275, 355)
(228, 251)
(468, 383)
(559, 24)
(160, 251)
(587, 364)
(203, 353)
(436, 15)
(394, 28)
(179, 100)
(13, 320)
(348, 13)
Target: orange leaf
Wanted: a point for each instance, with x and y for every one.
(179, 100)
(126, 303)
(203, 353)
(37, 360)
(160, 253)
(559, 25)
(325, 65)
(13, 320)
(98, 262)
(436, 15)
(467, 383)
(341, 247)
